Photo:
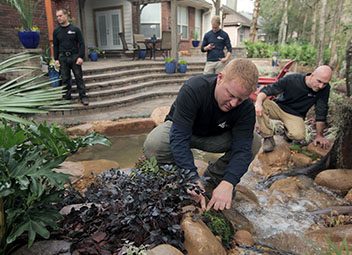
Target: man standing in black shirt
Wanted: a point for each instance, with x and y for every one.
(211, 113)
(297, 94)
(213, 44)
(69, 54)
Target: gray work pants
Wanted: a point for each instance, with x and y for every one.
(157, 144)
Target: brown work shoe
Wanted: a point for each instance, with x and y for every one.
(85, 101)
(268, 144)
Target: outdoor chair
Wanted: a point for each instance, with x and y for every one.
(165, 43)
(263, 81)
(140, 43)
(128, 48)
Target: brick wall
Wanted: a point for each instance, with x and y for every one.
(10, 21)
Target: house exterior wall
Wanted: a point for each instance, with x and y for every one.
(91, 5)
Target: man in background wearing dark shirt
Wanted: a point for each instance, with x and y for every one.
(211, 113)
(213, 44)
(297, 94)
(69, 54)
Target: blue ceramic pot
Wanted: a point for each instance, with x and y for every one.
(54, 77)
(195, 43)
(182, 68)
(29, 39)
(170, 67)
(93, 56)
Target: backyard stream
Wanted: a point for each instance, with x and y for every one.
(120, 203)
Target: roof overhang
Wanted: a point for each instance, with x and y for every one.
(227, 10)
(198, 4)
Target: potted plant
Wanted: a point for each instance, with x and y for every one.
(29, 35)
(170, 65)
(195, 41)
(94, 53)
(53, 70)
(182, 66)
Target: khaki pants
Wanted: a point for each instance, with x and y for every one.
(213, 67)
(294, 125)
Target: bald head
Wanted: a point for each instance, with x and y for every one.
(324, 71)
(320, 77)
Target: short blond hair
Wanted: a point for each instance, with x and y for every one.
(244, 71)
(216, 19)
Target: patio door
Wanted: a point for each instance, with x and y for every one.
(108, 26)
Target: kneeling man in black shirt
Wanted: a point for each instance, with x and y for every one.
(297, 93)
(211, 113)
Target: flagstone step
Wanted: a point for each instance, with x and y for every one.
(77, 108)
(135, 88)
(118, 83)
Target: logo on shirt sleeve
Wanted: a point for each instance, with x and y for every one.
(223, 125)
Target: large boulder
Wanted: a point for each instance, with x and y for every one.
(335, 234)
(336, 179)
(274, 162)
(199, 240)
(164, 249)
(158, 115)
(301, 160)
(318, 150)
(109, 127)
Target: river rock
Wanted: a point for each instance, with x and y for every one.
(81, 130)
(244, 193)
(158, 115)
(336, 179)
(244, 238)
(109, 127)
(318, 150)
(301, 160)
(348, 197)
(74, 169)
(199, 240)
(268, 164)
(50, 247)
(201, 166)
(237, 219)
(164, 249)
(334, 234)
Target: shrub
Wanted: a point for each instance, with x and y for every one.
(28, 185)
(143, 208)
(182, 62)
(169, 60)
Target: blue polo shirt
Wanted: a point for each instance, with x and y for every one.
(221, 40)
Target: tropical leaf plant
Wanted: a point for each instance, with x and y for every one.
(29, 188)
(27, 93)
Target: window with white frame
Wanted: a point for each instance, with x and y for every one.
(182, 21)
(197, 24)
(151, 20)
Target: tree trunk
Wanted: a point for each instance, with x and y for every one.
(313, 35)
(217, 6)
(253, 30)
(348, 67)
(334, 32)
(321, 42)
(284, 24)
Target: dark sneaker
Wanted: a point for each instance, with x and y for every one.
(268, 144)
(286, 138)
(84, 101)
